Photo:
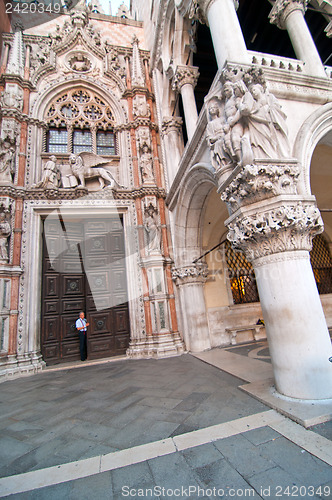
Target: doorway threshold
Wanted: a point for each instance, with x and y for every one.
(81, 364)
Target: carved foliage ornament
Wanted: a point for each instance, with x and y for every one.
(196, 9)
(190, 274)
(185, 75)
(282, 8)
(290, 227)
(171, 124)
(260, 181)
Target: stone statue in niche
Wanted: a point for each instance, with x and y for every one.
(247, 122)
(153, 230)
(146, 164)
(7, 160)
(51, 175)
(79, 62)
(86, 165)
(5, 232)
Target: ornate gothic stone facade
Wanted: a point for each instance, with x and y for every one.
(164, 197)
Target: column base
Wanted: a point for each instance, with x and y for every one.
(11, 367)
(156, 346)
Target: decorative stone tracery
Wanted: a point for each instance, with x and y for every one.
(79, 108)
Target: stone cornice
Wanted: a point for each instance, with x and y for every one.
(138, 90)
(21, 117)
(138, 122)
(25, 84)
(283, 8)
(76, 193)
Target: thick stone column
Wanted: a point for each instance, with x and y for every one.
(190, 280)
(289, 15)
(226, 33)
(184, 81)
(274, 226)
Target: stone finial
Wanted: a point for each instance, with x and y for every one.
(282, 8)
(137, 75)
(16, 57)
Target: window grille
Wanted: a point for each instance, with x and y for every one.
(241, 276)
(82, 141)
(321, 263)
(57, 140)
(105, 142)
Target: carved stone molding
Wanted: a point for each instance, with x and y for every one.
(260, 181)
(283, 8)
(196, 273)
(185, 75)
(282, 229)
(171, 124)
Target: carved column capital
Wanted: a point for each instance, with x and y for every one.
(191, 274)
(185, 75)
(197, 9)
(287, 226)
(171, 124)
(260, 181)
(283, 8)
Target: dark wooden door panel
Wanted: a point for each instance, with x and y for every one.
(84, 270)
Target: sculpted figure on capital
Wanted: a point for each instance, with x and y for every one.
(247, 122)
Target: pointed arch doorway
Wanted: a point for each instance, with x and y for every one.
(84, 270)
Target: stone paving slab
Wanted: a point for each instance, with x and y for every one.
(222, 469)
(60, 416)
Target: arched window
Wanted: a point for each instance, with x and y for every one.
(321, 263)
(79, 121)
(241, 276)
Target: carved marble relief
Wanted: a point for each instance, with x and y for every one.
(245, 121)
(12, 97)
(51, 175)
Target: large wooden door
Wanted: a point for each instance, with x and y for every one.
(84, 270)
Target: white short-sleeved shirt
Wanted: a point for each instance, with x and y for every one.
(81, 322)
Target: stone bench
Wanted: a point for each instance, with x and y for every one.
(254, 329)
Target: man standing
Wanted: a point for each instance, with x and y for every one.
(81, 326)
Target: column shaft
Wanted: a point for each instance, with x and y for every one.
(190, 109)
(227, 37)
(304, 46)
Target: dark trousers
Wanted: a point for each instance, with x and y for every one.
(82, 345)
